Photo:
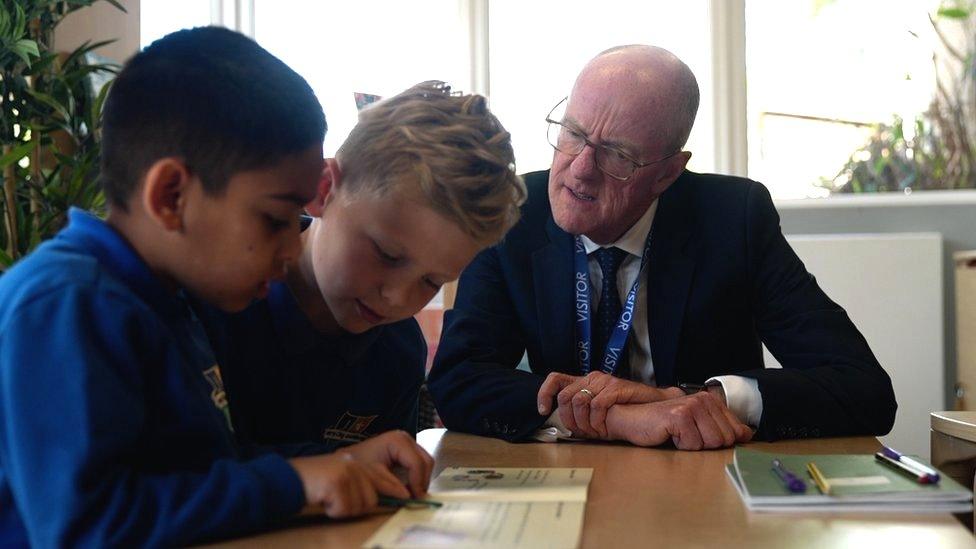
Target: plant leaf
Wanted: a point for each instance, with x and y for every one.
(117, 5)
(953, 13)
(28, 46)
(99, 102)
(41, 63)
(84, 48)
(52, 103)
(16, 154)
(23, 49)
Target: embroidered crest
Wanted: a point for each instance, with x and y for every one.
(349, 428)
(217, 393)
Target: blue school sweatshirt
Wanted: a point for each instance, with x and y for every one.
(113, 418)
(290, 384)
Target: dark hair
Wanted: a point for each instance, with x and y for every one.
(212, 97)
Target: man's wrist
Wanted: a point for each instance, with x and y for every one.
(718, 391)
(743, 398)
(615, 431)
(713, 387)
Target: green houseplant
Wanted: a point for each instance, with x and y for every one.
(50, 109)
(941, 154)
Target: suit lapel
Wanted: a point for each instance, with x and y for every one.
(669, 273)
(552, 272)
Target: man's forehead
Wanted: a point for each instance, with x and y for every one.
(621, 118)
(624, 90)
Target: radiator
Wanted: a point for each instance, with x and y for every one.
(892, 287)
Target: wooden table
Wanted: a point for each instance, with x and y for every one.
(643, 497)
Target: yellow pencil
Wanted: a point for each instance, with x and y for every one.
(818, 478)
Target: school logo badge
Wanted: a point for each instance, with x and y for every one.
(349, 428)
(217, 393)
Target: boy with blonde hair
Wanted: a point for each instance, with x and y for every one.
(424, 181)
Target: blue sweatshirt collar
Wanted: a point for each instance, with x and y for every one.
(94, 235)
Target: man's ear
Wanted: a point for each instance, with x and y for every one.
(164, 192)
(329, 183)
(673, 167)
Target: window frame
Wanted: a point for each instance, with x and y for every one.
(728, 46)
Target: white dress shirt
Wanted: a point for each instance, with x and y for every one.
(742, 394)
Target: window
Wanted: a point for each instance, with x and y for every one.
(380, 48)
(537, 48)
(821, 74)
(535, 51)
(157, 18)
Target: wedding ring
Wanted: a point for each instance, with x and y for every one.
(588, 392)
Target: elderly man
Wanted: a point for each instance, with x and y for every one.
(642, 293)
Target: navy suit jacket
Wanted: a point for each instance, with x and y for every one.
(721, 280)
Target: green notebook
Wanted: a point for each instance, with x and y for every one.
(857, 483)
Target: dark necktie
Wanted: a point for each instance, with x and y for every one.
(608, 310)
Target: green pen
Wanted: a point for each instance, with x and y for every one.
(388, 501)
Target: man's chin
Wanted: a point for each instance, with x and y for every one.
(570, 224)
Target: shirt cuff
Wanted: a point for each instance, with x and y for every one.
(553, 430)
(742, 396)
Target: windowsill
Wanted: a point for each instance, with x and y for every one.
(870, 200)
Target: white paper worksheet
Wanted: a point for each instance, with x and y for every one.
(494, 507)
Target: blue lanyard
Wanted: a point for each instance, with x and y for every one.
(618, 339)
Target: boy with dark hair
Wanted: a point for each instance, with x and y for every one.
(113, 417)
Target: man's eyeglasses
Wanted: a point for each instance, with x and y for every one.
(611, 161)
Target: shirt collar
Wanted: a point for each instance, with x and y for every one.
(633, 240)
(116, 255)
(298, 335)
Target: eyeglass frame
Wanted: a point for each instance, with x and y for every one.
(596, 146)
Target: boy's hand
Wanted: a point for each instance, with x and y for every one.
(343, 486)
(397, 449)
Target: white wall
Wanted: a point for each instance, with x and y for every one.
(102, 21)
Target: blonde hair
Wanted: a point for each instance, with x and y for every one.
(449, 147)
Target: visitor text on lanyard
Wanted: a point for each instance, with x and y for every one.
(618, 338)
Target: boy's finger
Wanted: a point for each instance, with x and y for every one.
(417, 475)
(358, 489)
(386, 483)
(407, 458)
(428, 468)
(368, 488)
(342, 501)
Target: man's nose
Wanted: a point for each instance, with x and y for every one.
(584, 165)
